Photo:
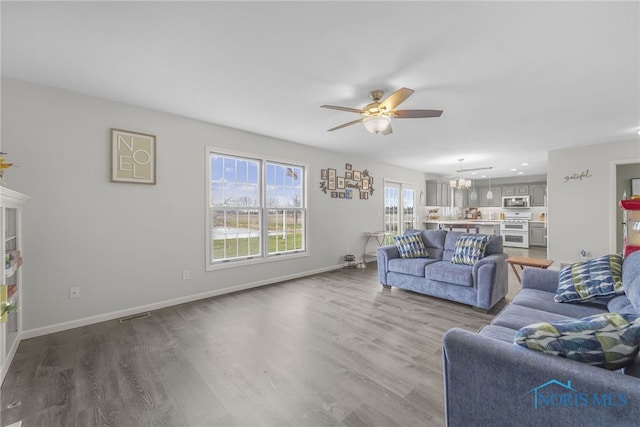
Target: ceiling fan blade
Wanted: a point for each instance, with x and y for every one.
(395, 99)
(336, 107)
(416, 114)
(346, 124)
(388, 130)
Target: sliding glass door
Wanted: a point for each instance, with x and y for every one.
(399, 209)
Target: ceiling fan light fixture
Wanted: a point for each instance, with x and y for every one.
(376, 116)
(377, 124)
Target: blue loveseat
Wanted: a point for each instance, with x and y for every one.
(489, 380)
(480, 285)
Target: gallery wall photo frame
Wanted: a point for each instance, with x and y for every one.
(332, 179)
(133, 157)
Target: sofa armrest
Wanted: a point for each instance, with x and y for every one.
(490, 259)
(383, 255)
(540, 279)
(490, 280)
(497, 383)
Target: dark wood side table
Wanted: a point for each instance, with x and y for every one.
(527, 262)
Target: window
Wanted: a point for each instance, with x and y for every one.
(256, 208)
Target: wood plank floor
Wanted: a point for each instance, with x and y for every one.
(325, 350)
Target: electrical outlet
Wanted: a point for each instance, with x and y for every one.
(74, 293)
(186, 275)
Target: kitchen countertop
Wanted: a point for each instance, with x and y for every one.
(464, 221)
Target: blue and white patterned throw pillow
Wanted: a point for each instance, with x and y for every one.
(587, 280)
(606, 340)
(470, 248)
(411, 246)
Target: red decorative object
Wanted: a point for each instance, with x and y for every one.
(631, 225)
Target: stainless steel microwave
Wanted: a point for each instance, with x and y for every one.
(515, 201)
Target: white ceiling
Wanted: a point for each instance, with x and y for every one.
(515, 79)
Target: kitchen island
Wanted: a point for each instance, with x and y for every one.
(481, 226)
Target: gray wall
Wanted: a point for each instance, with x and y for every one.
(125, 245)
(582, 212)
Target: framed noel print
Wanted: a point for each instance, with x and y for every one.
(133, 157)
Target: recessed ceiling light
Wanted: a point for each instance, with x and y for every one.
(513, 169)
(525, 164)
(474, 173)
(520, 173)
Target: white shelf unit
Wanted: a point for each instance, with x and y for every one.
(11, 203)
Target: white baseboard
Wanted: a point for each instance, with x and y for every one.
(7, 361)
(58, 327)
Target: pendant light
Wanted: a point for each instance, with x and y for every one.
(489, 193)
(474, 194)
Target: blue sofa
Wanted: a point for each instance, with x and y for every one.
(481, 285)
(489, 380)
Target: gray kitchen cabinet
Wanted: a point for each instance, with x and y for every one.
(460, 198)
(482, 196)
(473, 203)
(496, 202)
(508, 190)
(445, 189)
(437, 194)
(538, 192)
(537, 234)
(431, 198)
(522, 190)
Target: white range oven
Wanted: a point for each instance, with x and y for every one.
(515, 228)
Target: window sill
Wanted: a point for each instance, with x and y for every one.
(247, 262)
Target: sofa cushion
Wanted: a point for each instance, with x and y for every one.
(498, 333)
(469, 248)
(631, 278)
(411, 266)
(450, 244)
(633, 369)
(494, 245)
(411, 246)
(543, 300)
(607, 340)
(516, 317)
(631, 267)
(586, 280)
(622, 305)
(447, 272)
(434, 242)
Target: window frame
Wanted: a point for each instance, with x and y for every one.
(264, 255)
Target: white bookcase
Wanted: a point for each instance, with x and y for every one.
(10, 274)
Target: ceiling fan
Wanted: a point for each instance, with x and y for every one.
(376, 116)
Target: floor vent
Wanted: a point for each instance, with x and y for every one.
(135, 317)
